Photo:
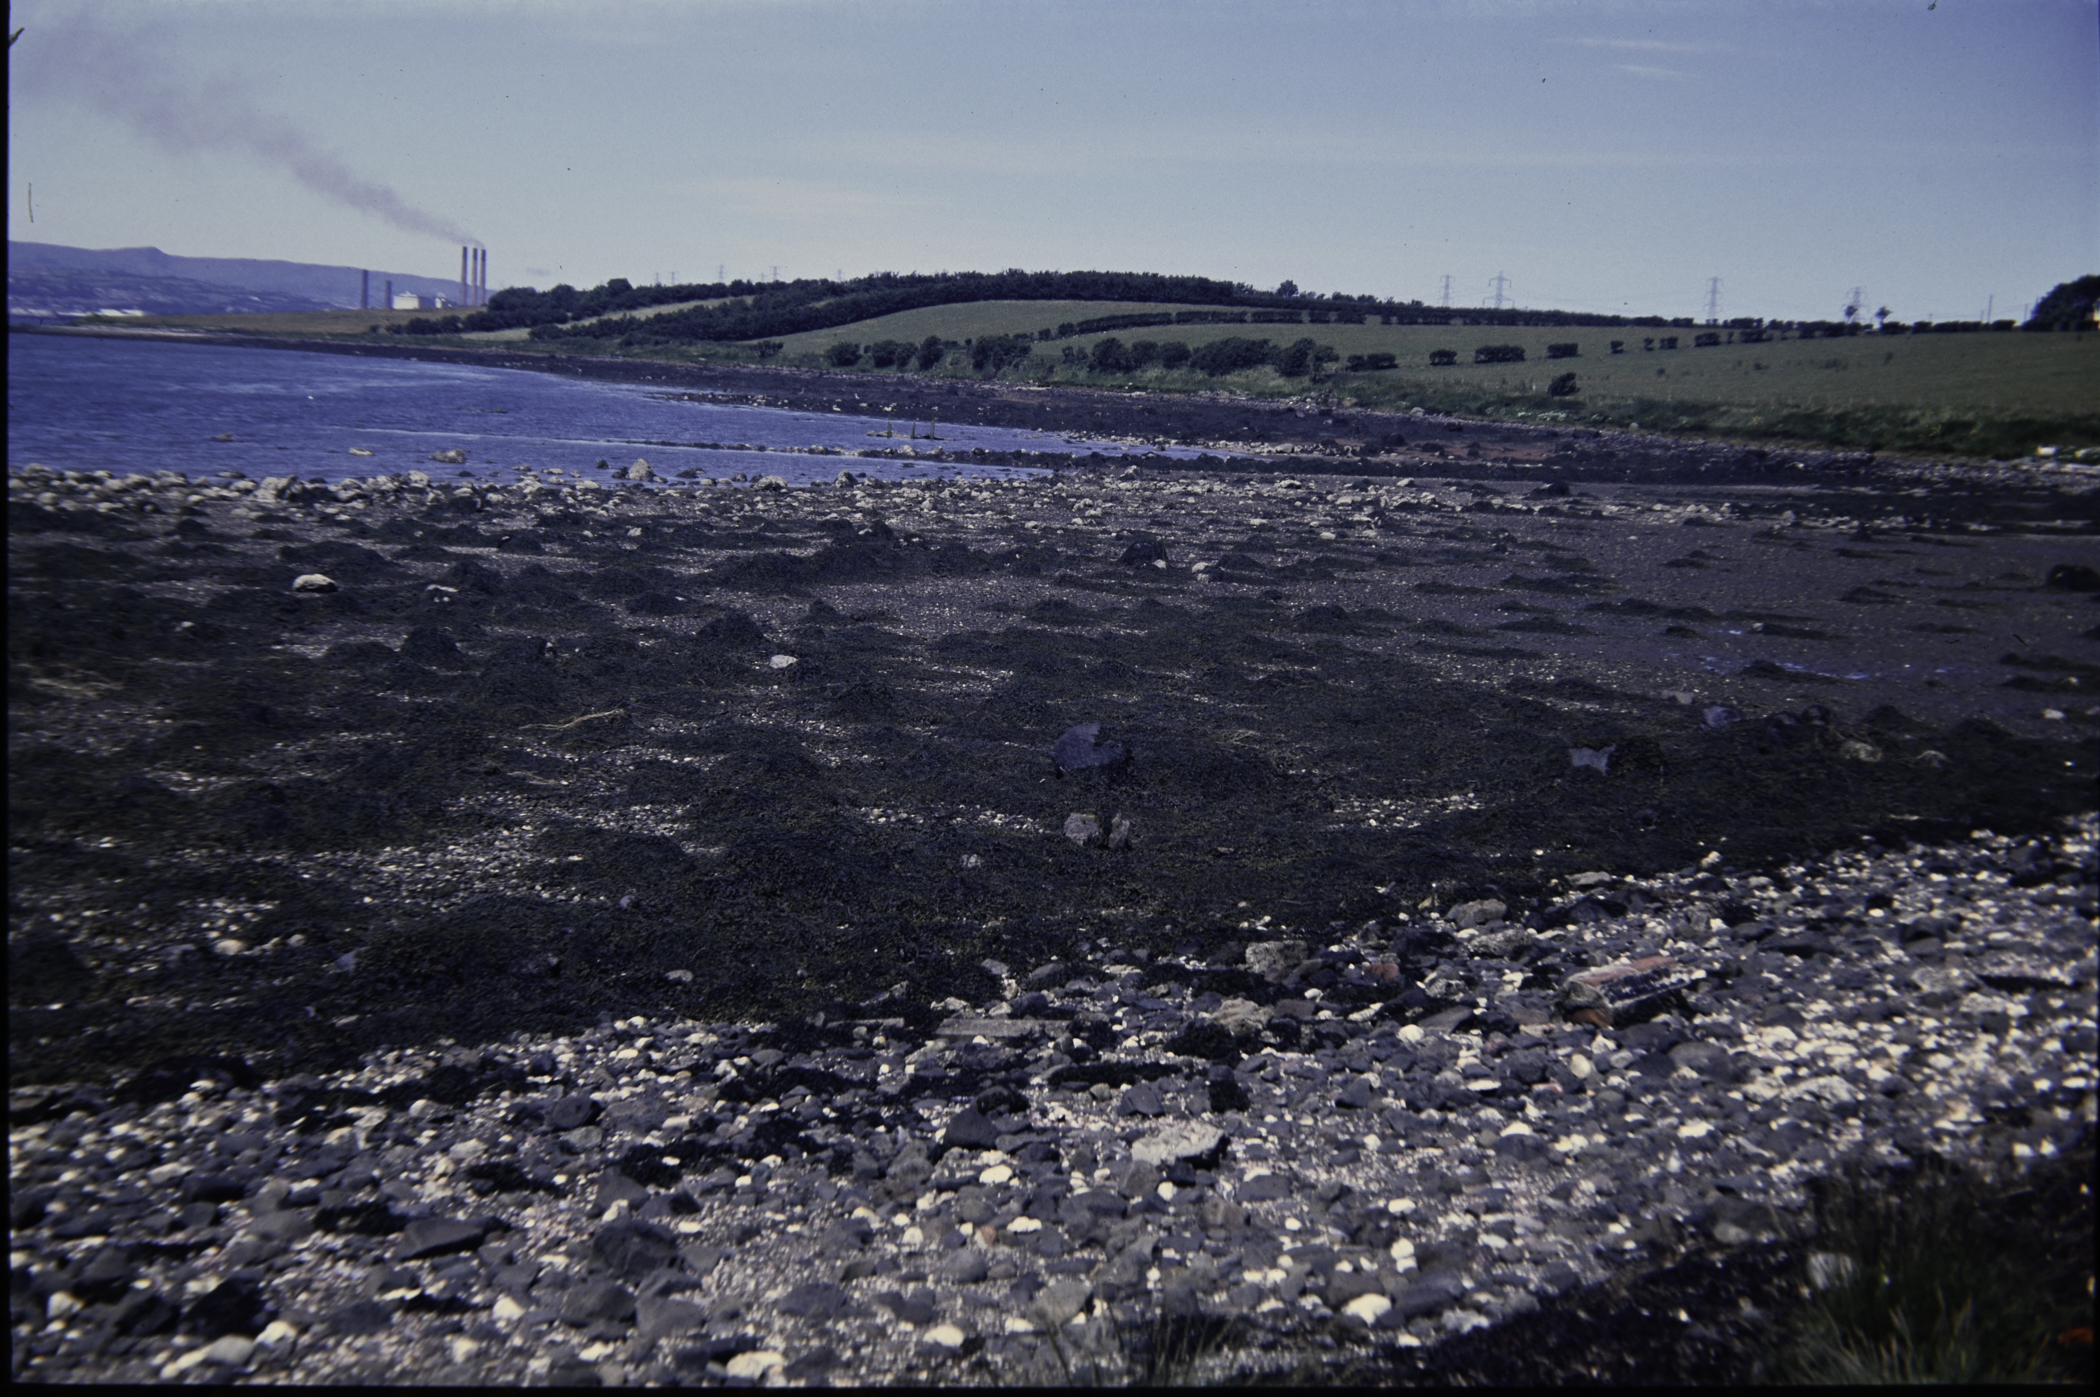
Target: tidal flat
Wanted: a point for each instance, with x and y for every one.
(690, 861)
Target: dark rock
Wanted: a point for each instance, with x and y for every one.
(1429, 1295)
(2073, 577)
(230, 1307)
(616, 1187)
(572, 1113)
(1357, 1095)
(812, 1365)
(213, 1188)
(1081, 749)
(438, 1237)
(970, 1130)
(632, 1249)
(1142, 1099)
(363, 1317)
(813, 1300)
(660, 1317)
(596, 1302)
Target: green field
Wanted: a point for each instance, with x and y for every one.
(1991, 372)
(1991, 393)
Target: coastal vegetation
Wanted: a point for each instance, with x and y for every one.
(1951, 388)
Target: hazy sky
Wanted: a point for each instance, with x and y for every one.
(1606, 155)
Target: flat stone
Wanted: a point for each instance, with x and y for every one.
(964, 1026)
(438, 1237)
(1182, 1140)
(596, 1302)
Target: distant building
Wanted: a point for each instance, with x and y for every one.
(410, 300)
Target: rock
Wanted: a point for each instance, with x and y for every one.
(212, 1188)
(1430, 1295)
(812, 1365)
(1472, 914)
(1059, 1302)
(313, 582)
(1194, 1141)
(1368, 1308)
(1597, 758)
(946, 1336)
(572, 1113)
(754, 1364)
(291, 1225)
(438, 1237)
(1119, 832)
(640, 470)
(1357, 1095)
(1709, 1060)
(598, 1302)
(454, 457)
(230, 1351)
(1141, 1099)
(1721, 716)
(631, 1248)
(1083, 749)
(972, 1129)
(1240, 1017)
(770, 482)
(616, 1187)
(1275, 959)
(1144, 552)
(813, 1300)
(1083, 830)
(2073, 577)
(965, 1267)
(1046, 976)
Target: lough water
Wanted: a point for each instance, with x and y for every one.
(91, 403)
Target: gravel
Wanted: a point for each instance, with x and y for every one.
(871, 1200)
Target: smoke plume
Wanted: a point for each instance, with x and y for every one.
(123, 77)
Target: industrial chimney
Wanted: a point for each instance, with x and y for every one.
(463, 277)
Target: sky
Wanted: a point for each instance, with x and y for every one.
(1601, 155)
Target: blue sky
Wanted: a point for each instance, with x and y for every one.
(1608, 155)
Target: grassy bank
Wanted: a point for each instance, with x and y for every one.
(1985, 394)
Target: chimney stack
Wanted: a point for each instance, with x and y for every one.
(389, 293)
(462, 276)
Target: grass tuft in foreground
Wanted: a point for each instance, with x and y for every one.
(1935, 1274)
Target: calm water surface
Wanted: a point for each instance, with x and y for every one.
(146, 405)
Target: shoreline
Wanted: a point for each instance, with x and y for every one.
(535, 764)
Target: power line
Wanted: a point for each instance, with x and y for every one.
(1501, 284)
(1713, 300)
(1447, 290)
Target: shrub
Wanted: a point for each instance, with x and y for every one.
(1442, 358)
(843, 355)
(1563, 386)
(1560, 351)
(1371, 363)
(1230, 355)
(1109, 357)
(890, 353)
(1500, 354)
(766, 349)
(931, 352)
(992, 355)
(1173, 354)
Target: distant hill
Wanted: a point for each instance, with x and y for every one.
(49, 280)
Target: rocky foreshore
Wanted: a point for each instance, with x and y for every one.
(1266, 1136)
(945, 931)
